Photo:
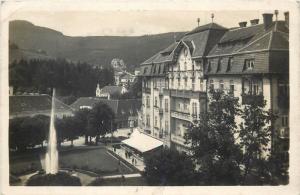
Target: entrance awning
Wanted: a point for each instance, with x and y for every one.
(142, 142)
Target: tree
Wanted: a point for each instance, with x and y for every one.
(169, 167)
(71, 129)
(81, 118)
(212, 141)
(100, 120)
(27, 132)
(255, 135)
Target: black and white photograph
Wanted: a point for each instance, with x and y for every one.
(148, 97)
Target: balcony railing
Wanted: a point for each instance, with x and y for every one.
(251, 99)
(178, 139)
(181, 115)
(146, 90)
(161, 111)
(187, 93)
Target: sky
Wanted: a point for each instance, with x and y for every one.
(133, 23)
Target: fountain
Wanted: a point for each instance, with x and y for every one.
(51, 160)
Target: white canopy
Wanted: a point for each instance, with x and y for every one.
(142, 142)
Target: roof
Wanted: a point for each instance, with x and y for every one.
(121, 108)
(199, 41)
(142, 142)
(31, 104)
(251, 38)
(210, 26)
(111, 89)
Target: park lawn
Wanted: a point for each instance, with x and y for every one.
(96, 160)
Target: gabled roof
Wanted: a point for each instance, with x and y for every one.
(32, 104)
(199, 41)
(121, 108)
(111, 89)
(210, 26)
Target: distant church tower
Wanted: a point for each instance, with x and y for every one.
(98, 90)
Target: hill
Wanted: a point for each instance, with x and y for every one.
(40, 42)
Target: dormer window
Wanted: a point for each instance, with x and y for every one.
(229, 67)
(249, 64)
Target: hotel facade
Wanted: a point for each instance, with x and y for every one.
(249, 62)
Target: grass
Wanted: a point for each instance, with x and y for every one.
(95, 160)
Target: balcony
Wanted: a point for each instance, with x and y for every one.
(181, 115)
(146, 90)
(161, 111)
(161, 92)
(250, 99)
(187, 94)
(170, 75)
(283, 101)
(178, 139)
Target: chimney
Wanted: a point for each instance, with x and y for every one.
(243, 24)
(254, 22)
(286, 18)
(268, 19)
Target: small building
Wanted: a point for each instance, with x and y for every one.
(109, 91)
(136, 148)
(31, 105)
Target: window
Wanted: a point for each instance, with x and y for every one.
(185, 66)
(166, 125)
(185, 83)
(255, 89)
(249, 64)
(193, 84)
(185, 106)
(166, 105)
(201, 85)
(148, 120)
(194, 108)
(229, 64)
(211, 85)
(155, 121)
(145, 70)
(285, 121)
(179, 83)
(155, 101)
(283, 89)
(172, 83)
(148, 102)
(155, 83)
(231, 86)
(221, 83)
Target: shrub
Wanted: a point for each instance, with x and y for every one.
(59, 179)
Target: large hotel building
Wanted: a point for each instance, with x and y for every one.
(249, 61)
